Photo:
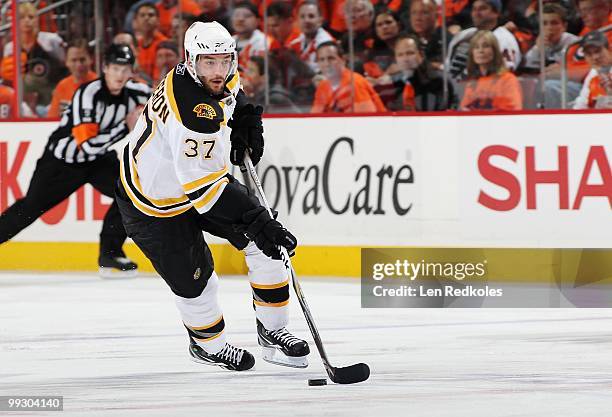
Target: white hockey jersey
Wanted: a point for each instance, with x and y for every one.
(177, 155)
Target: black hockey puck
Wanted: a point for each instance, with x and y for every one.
(317, 382)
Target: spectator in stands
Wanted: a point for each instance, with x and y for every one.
(130, 24)
(342, 90)
(418, 86)
(250, 41)
(148, 36)
(280, 23)
(167, 9)
(595, 15)
(214, 11)
(485, 16)
(554, 38)
(6, 102)
(263, 4)
(312, 34)
(254, 84)
(293, 4)
(423, 23)
(515, 21)
(171, 9)
(393, 5)
(490, 86)
(525, 16)
(166, 57)
(361, 15)
(7, 67)
(78, 62)
(32, 37)
(596, 92)
(43, 56)
(295, 75)
(457, 15)
(78, 19)
(336, 12)
(126, 38)
(401, 8)
(180, 23)
(336, 18)
(380, 58)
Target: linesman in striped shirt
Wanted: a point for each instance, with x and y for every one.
(78, 152)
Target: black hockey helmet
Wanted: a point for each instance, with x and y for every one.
(120, 54)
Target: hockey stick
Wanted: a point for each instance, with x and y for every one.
(345, 375)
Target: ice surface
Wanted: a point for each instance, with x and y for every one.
(117, 348)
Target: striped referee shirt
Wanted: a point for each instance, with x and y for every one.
(95, 120)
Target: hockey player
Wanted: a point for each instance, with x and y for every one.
(78, 153)
(175, 183)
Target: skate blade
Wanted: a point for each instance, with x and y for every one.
(275, 356)
(204, 362)
(112, 273)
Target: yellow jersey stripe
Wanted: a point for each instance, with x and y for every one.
(206, 180)
(170, 95)
(207, 326)
(208, 339)
(213, 194)
(269, 286)
(143, 208)
(233, 82)
(224, 122)
(263, 304)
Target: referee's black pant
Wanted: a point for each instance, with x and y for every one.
(55, 180)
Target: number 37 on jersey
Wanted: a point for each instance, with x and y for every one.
(202, 148)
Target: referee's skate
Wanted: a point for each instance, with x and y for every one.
(116, 267)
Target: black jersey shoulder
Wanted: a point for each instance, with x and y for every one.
(197, 109)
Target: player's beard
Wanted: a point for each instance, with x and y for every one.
(213, 89)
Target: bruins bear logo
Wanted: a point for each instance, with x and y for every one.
(205, 110)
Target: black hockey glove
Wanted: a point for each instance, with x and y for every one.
(247, 133)
(267, 233)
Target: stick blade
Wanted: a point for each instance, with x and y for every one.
(350, 374)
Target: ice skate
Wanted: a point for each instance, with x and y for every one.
(116, 267)
(230, 357)
(282, 348)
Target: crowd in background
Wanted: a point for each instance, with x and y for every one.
(299, 56)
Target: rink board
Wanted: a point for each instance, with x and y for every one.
(520, 181)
